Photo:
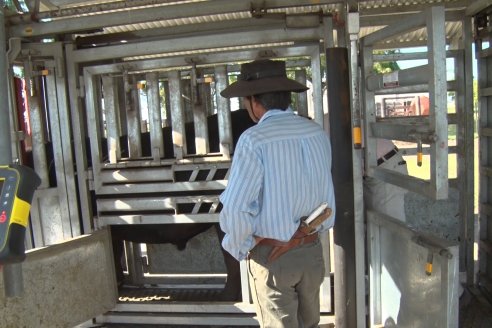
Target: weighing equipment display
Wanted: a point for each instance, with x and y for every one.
(17, 186)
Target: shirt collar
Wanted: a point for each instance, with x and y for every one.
(276, 112)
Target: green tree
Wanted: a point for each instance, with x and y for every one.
(388, 66)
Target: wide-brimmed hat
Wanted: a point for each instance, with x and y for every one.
(262, 76)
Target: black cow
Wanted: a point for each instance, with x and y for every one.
(180, 234)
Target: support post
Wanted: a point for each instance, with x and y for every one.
(12, 273)
(337, 67)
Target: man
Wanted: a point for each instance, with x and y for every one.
(281, 172)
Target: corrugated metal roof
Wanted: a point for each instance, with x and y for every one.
(374, 14)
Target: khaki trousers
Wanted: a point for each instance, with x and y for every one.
(286, 291)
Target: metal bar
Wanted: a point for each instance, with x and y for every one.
(148, 203)
(407, 182)
(92, 106)
(58, 154)
(369, 109)
(130, 175)
(67, 137)
(409, 23)
(452, 53)
(199, 113)
(301, 97)
(38, 152)
(177, 115)
(340, 112)
(197, 42)
(359, 227)
(484, 65)
(449, 287)
(328, 39)
(133, 118)
(374, 256)
(149, 14)
(79, 139)
(316, 86)
(37, 127)
(104, 220)
(429, 241)
(437, 99)
(160, 186)
(223, 112)
(111, 109)
(154, 105)
(466, 165)
(369, 18)
(401, 78)
(403, 132)
(281, 50)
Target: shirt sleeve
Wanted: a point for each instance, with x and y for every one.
(241, 200)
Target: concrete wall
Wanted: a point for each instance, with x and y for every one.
(64, 285)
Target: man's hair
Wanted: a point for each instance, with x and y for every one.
(274, 100)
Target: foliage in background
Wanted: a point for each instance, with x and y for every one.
(386, 67)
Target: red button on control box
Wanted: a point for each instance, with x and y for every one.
(3, 217)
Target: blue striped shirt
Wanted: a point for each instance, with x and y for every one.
(281, 171)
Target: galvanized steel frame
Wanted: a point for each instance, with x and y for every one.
(436, 132)
(105, 175)
(484, 58)
(52, 58)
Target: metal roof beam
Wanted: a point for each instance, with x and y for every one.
(242, 24)
(196, 43)
(151, 14)
(383, 20)
(378, 10)
(204, 60)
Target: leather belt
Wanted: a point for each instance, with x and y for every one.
(387, 156)
(281, 247)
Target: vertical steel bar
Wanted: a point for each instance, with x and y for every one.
(316, 86)
(353, 30)
(77, 119)
(469, 156)
(67, 138)
(302, 103)
(177, 115)
(154, 106)
(340, 112)
(436, 33)
(223, 112)
(199, 113)
(58, 154)
(485, 157)
(92, 105)
(449, 288)
(132, 116)
(112, 123)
